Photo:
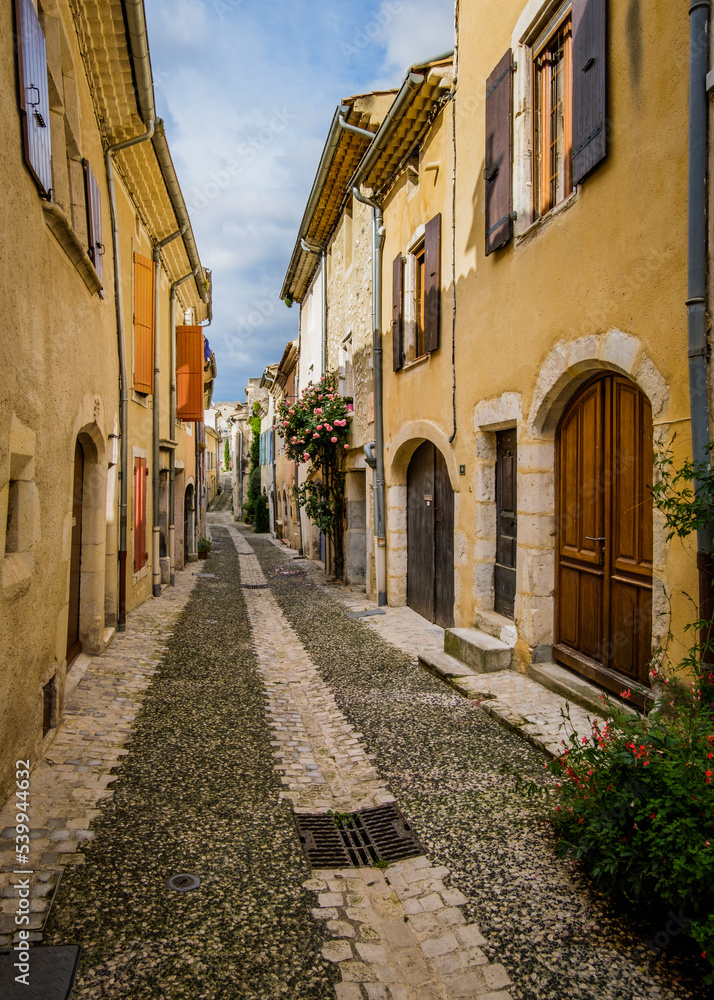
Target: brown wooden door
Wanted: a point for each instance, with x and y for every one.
(74, 645)
(604, 537)
(430, 536)
(506, 523)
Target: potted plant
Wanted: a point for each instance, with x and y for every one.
(204, 547)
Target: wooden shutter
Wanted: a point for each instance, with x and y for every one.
(34, 95)
(189, 373)
(143, 324)
(589, 86)
(140, 476)
(432, 283)
(397, 312)
(94, 217)
(499, 155)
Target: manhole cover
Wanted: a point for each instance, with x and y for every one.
(49, 974)
(357, 839)
(183, 882)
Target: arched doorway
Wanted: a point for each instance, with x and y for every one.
(74, 642)
(430, 536)
(604, 545)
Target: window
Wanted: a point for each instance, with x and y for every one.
(416, 298)
(346, 371)
(419, 285)
(34, 96)
(552, 114)
(143, 324)
(141, 473)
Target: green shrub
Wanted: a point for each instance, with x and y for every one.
(634, 802)
(262, 518)
(253, 493)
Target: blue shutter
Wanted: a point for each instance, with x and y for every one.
(34, 95)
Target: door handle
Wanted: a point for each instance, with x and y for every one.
(589, 538)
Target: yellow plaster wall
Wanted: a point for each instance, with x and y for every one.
(542, 310)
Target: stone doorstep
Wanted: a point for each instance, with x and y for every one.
(480, 651)
(496, 625)
(571, 686)
(445, 666)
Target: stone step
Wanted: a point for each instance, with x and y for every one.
(478, 650)
(573, 688)
(444, 665)
(496, 625)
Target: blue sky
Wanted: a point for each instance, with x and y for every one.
(247, 89)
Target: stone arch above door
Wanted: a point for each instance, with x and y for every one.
(405, 443)
(568, 365)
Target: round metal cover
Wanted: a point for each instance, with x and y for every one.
(183, 882)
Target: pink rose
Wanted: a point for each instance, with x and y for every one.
(327, 427)
(292, 413)
(319, 427)
(306, 456)
(316, 435)
(350, 408)
(318, 409)
(334, 440)
(347, 447)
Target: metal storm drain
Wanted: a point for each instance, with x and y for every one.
(360, 839)
(254, 586)
(183, 882)
(45, 972)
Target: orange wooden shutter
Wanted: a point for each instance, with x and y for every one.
(140, 474)
(189, 373)
(143, 324)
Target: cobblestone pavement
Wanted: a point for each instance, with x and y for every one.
(250, 695)
(450, 767)
(542, 717)
(69, 784)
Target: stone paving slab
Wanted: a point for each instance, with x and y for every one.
(68, 786)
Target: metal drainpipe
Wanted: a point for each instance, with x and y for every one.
(155, 414)
(240, 475)
(123, 380)
(697, 284)
(379, 505)
(172, 422)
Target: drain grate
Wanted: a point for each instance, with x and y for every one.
(360, 839)
(254, 586)
(365, 614)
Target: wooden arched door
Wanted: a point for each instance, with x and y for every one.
(430, 536)
(604, 533)
(74, 643)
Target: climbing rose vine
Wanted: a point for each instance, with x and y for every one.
(315, 426)
(315, 429)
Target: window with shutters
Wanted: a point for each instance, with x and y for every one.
(552, 114)
(416, 297)
(141, 475)
(189, 373)
(143, 324)
(558, 109)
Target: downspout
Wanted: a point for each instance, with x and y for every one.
(123, 379)
(378, 233)
(275, 483)
(697, 288)
(155, 414)
(172, 421)
(240, 475)
(322, 253)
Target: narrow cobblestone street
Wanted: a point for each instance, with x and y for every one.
(247, 694)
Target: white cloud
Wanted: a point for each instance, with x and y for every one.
(414, 32)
